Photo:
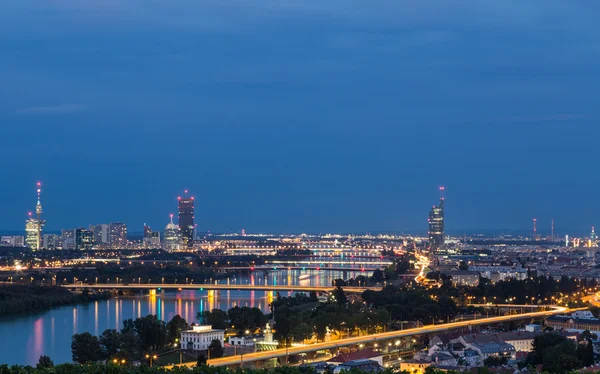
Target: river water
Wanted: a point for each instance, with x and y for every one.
(24, 338)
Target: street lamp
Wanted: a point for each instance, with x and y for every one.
(151, 358)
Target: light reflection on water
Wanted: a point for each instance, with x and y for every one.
(25, 338)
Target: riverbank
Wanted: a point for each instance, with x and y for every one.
(25, 298)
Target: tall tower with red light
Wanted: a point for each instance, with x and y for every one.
(186, 219)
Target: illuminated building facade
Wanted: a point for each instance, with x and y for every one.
(172, 237)
(118, 235)
(33, 226)
(31, 233)
(84, 239)
(436, 225)
(186, 220)
(101, 233)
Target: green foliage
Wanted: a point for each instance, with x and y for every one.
(174, 328)
(216, 349)
(110, 340)
(246, 318)
(152, 333)
(218, 318)
(556, 353)
(23, 298)
(340, 296)
(493, 361)
(44, 363)
(86, 348)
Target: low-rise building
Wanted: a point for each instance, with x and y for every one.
(364, 365)
(571, 323)
(200, 337)
(521, 340)
(464, 278)
(414, 366)
(246, 340)
(365, 354)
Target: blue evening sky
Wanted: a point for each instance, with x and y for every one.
(293, 116)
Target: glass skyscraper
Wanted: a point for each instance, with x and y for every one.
(186, 220)
(436, 225)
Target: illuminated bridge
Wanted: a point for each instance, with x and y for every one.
(297, 267)
(383, 337)
(213, 287)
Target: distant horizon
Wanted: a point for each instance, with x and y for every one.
(559, 233)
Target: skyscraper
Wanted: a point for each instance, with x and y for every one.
(31, 232)
(33, 226)
(101, 233)
(436, 224)
(186, 219)
(171, 237)
(147, 231)
(83, 239)
(118, 235)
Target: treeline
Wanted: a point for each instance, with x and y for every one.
(413, 304)
(299, 317)
(146, 335)
(539, 289)
(19, 298)
(240, 319)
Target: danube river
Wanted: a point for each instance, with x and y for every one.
(25, 338)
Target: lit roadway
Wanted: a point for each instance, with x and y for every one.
(236, 287)
(259, 356)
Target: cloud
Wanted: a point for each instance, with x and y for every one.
(52, 109)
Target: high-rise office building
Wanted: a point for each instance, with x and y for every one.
(436, 224)
(101, 233)
(172, 237)
(68, 239)
(186, 219)
(12, 241)
(118, 235)
(84, 239)
(33, 226)
(31, 233)
(147, 231)
(51, 241)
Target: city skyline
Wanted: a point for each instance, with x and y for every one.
(185, 208)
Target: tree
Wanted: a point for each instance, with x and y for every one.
(215, 348)
(246, 318)
(463, 266)
(378, 275)
(587, 335)
(85, 348)
(175, 326)
(313, 297)
(44, 363)
(302, 332)
(110, 340)
(152, 333)
(340, 296)
(201, 360)
(492, 361)
(217, 318)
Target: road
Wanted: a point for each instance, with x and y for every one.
(236, 287)
(386, 336)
